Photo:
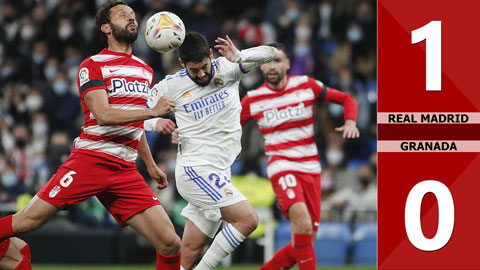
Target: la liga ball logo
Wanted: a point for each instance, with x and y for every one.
(83, 74)
(154, 93)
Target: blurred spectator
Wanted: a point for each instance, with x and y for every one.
(356, 202)
(61, 105)
(58, 150)
(252, 31)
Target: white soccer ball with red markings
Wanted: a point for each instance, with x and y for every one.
(164, 32)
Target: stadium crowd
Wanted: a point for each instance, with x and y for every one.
(42, 43)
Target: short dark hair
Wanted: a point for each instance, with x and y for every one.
(195, 48)
(103, 16)
(279, 46)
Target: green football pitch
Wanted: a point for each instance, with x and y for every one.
(151, 267)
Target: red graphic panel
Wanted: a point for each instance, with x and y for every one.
(402, 89)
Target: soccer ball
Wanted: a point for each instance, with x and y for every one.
(164, 32)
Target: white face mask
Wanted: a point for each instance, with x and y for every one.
(303, 32)
(9, 179)
(40, 128)
(355, 34)
(60, 87)
(334, 157)
(34, 102)
(65, 31)
(50, 73)
(27, 33)
(38, 58)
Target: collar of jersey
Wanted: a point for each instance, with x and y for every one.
(107, 51)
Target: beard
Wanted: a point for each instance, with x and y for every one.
(206, 82)
(123, 35)
(274, 81)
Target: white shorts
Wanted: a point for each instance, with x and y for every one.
(206, 189)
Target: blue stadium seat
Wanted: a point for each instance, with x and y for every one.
(365, 243)
(333, 241)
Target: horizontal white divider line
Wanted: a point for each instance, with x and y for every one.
(428, 146)
(428, 118)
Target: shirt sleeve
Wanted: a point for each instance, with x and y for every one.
(89, 78)
(327, 94)
(349, 104)
(253, 57)
(245, 116)
(149, 124)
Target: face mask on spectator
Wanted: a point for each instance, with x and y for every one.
(303, 32)
(302, 49)
(355, 34)
(6, 71)
(9, 179)
(27, 33)
(40, 128)
(60, 87)
(50, 72)
(34, 102)
(334, 156)
(65, 31)
(38, 58)
(293, 14)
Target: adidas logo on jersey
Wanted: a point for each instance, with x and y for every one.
(186, 95)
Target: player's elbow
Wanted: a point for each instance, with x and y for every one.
(104, 120)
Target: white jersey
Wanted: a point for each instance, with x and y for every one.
(208, 117)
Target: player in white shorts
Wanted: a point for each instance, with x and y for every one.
(207, 111)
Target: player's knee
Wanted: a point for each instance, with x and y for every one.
(170, 246)
(302, 226)
(251, 221)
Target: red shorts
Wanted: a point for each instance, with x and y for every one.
(291, 187)
(122, 190)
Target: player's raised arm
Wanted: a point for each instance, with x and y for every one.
(250, 58)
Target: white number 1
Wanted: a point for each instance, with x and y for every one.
(432, 33)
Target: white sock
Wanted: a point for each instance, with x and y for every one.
(226, 241)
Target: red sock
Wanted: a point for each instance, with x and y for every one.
(168, 262)
(6, 230)
(304, 253)
(284, 258)
(25, 264)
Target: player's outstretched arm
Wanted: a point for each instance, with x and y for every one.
(251, 57)
(97, 103)
(349, 130)
(153, 169)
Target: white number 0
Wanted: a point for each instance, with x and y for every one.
(67, 179)
(446, 215)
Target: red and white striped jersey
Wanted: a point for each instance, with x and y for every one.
(285, 118)
(127, 80)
